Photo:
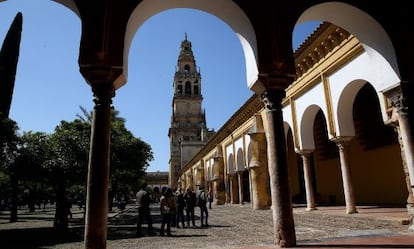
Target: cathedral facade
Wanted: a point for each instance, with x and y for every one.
(343, 140)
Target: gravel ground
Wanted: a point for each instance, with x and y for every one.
(231, 226)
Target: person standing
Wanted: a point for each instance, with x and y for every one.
(202, 204)
(166, 204)
(209, 197)
(144, 212)
(190, 202)
(173, 209)
(180, 208)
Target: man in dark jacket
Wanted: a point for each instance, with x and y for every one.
(190, 202)
(144, 211)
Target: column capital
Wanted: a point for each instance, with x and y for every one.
(272, 99)
(304, 152)
(199, 168)
(103, 94)
(232, 173)
(258, 127)
(397, 98)
(240, 171)
(254, 164)
(342, 141)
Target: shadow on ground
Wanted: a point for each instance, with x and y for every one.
(23, 234)
(32, 238)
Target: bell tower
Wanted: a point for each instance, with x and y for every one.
(188, 132)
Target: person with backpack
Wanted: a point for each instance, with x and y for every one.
(202, 204)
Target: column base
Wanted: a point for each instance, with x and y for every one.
(351, 210)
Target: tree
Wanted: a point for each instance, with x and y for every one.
(130, 156)
(9, 55)
(34, 150)
(9, 142)
(67, 164)
(59, 161)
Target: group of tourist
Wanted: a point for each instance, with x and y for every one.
(175, 207)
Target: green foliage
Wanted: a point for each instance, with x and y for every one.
(34, 149)
(70, 149)
(43, 162)
(9, 142)
(130, 158)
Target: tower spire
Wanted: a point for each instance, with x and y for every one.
(188, 132)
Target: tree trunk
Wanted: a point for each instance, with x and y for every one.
(61, 221)
(14, 197)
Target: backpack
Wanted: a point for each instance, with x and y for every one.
(200, 200)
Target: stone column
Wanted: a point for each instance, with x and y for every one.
(184, 183)
(410, 198)
(240, 184)
(283, 222)
(234, 194)
(343, 146)
(310, 198)
(98, 168)
(190, 181)
(227, 186)
(219, 190)
(180, 184)
(259, 171)
(199, 172)
(399, 102)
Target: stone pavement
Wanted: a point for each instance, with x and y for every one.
(240, 227)
(231, 227)
(387, 228)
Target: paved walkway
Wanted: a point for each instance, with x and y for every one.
(231, 227)
(375, 237)
(240, 227)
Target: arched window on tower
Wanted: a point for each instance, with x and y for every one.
(188, 87)
(180, 89)
(187, 68)
(195, 89)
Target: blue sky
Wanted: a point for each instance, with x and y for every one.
(49, 87)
